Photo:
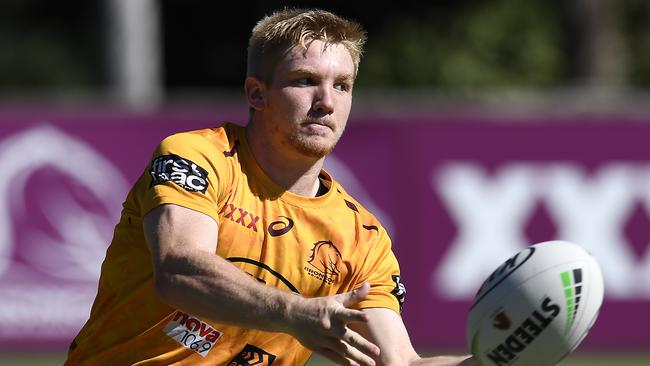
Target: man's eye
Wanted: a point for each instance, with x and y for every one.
(305, 81)
(342, 86)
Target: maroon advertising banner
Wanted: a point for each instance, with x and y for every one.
(457, 195)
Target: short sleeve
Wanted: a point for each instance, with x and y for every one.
(188, 170)
(381, 270)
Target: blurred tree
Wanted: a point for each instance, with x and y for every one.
(636, 29)
(458, 46)
(50, 45)
(600, 53)
(484, 44)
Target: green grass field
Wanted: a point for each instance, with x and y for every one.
(578, 359)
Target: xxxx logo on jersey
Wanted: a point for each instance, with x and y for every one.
(240, 216)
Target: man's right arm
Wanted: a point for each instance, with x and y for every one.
(190, 276)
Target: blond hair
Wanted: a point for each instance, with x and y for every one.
(281, 31)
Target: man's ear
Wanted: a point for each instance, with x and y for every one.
(255, 93)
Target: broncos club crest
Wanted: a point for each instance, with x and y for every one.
(324, 262)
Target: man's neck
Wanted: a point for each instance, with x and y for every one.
(297, 174)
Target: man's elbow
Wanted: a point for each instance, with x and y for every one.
(165, 283)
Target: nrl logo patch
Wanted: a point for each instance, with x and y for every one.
(399, 291)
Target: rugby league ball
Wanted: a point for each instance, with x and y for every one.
(536, 307)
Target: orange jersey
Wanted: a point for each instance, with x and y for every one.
(310, 246)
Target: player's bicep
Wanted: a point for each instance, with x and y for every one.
(172, 230)
(386, 329)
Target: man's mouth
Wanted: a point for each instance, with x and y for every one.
(319, 123)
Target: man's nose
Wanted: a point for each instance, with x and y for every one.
(323, 102)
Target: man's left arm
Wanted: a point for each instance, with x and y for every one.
(386, 329)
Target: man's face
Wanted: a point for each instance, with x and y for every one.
(309, 99)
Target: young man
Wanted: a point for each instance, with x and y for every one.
(235, 248)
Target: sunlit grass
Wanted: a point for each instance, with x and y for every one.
(579, 359)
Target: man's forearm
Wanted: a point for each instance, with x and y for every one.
(209, 286)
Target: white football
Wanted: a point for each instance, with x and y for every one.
(536, 307)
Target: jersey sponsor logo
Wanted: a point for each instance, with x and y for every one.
(277, 228)
(399, 291)
(240, 216)
(324, 262)
(183, 172)
(251, 355)
(192, 333)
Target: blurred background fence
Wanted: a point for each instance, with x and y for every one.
(478, 127)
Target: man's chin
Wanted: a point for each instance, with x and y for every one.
(313, 147)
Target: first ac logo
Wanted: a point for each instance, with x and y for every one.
(181, 171)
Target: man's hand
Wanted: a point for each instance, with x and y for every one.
(320, 324)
